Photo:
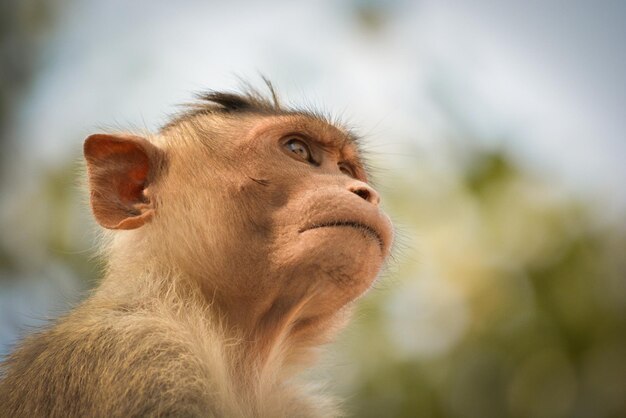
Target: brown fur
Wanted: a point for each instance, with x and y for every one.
(229, 260)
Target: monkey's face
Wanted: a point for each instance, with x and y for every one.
(260, 210)
(304, 218)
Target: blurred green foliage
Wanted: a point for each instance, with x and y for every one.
(527, 286)
(23, 23)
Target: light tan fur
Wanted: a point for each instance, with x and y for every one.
(229, 261)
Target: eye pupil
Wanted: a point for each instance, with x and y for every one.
(299, 148)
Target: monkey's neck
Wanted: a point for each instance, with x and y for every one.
(277, 332)
(263, 340)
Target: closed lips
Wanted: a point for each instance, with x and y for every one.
(368, 230)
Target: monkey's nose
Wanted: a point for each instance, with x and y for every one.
(365, 192)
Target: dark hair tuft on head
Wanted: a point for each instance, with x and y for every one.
(250, 100)
(228, 102)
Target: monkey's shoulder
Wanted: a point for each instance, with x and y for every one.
(129, 361)
(104, 363)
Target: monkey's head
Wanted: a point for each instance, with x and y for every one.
(265, 207)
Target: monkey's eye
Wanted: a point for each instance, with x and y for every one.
(346, 169)
(299, 149)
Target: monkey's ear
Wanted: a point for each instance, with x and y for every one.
(120, 168)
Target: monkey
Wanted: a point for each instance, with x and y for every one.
(237, 239)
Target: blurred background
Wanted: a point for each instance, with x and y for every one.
(497, 134)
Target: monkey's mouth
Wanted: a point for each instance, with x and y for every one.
(365, 229)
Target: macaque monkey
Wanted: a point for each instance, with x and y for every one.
(240, 234)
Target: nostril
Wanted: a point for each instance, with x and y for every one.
(365, 192)
(362, 193)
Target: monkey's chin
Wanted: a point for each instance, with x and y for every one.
(347, 258)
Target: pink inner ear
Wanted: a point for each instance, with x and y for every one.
(130, 186)
(118, 167)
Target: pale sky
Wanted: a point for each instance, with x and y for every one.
(544, 79)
